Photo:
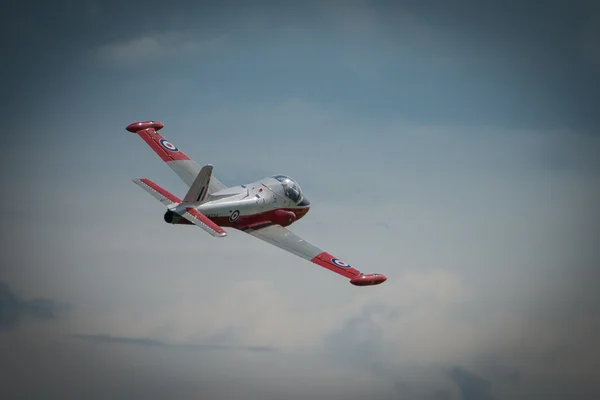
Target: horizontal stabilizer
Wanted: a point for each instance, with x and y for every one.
(168, 199)
(201, 220)
(174, 204)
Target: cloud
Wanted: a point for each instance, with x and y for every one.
(157, 343)
(12, 308)
(472, 386)
(485, 226)
(360, 340)
(154, 47)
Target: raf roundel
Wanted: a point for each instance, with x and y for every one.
(234, 216)
(168, 145)
(340, 263)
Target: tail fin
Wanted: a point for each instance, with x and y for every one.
(199, 191)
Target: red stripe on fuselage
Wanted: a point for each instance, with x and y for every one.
(245, 221)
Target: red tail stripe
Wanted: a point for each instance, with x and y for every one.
(205, 220)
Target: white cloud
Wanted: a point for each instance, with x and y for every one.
(154, 47)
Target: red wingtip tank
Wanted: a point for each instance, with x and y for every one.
(368, 279)
(139, 126)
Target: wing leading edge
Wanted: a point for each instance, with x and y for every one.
(285, 239)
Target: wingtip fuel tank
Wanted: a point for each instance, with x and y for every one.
(368, 279)
(140, 126)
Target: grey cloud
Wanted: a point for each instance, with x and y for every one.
(12, 308)
(103, 369)
(171, 288)
(9, 307)
(155, 47)
(555, 354)
(472, 386)
(505, 66)
(59, 369)
(117, 339)
(442, 395)
(360, 341)
(497, 370)
(102, 338)
(383, 225)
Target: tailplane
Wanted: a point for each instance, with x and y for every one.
(176, 206)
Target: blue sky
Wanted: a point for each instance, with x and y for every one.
(454, 149)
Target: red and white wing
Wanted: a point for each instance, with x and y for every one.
(285, 239)
(179, 162)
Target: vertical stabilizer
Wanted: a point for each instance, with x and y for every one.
(199, 191)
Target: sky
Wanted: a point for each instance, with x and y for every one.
(454, 148)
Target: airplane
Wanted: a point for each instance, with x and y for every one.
(262, 209)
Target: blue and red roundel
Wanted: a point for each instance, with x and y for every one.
(340, 263)
(168, 145)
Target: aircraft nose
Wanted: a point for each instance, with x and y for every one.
(305, 202)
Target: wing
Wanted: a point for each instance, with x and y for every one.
(173, 203)
(285, 239)
(179, 162)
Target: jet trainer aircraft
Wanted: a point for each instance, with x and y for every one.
(262, 209)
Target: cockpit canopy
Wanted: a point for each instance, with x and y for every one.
(291, 188)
